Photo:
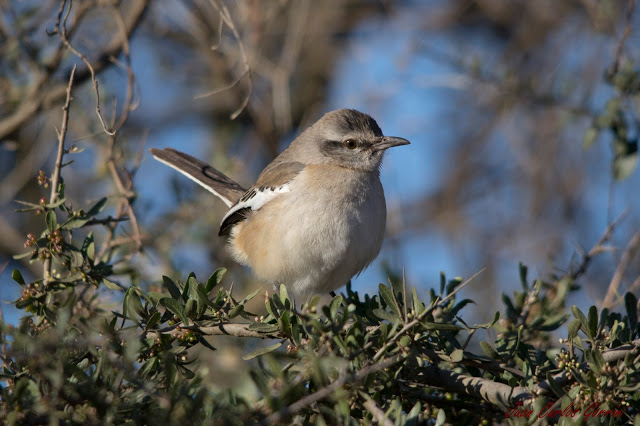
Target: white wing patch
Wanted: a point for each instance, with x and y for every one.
(256, 198)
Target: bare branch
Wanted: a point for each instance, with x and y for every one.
(377, 412)
(614, 285)
(55, 178)
(625, 35)
(226, 17)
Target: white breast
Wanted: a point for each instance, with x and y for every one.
(315, 237)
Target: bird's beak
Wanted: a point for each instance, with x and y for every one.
(388, 142)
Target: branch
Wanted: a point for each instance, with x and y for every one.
(502, 395)
(330, 389)
(628, 254)
(55, 178)
(598, 247)
(377, 412)
(226, 17)
(227, 329)
(625, 35)
(41, 96)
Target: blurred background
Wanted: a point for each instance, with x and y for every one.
(505, 103)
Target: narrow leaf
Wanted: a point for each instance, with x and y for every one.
(97, 207)
(215, 279)
(51, 220)
(262, 351)
(175, 307)
(17, 277)
(389, 299)
(631, 304)
(488, 349)
(593, 322)
(174, 291)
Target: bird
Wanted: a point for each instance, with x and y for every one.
(316, 216)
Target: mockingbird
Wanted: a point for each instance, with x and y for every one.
(316, 215)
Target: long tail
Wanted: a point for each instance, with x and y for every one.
(212, 180)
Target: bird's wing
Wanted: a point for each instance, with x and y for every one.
(211, 179)
(273, 181)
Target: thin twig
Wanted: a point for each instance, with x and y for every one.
(597, 248)
(376, 411)
(226, 17)
(3, 348)
(330, 389)
(628, 254)
(625, 35)
(43, 93)
(55, 178)
(64, 37)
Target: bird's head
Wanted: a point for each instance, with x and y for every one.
(346, 138)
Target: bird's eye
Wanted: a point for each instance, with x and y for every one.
(350, 143)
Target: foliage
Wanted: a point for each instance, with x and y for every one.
(392, 356)
(92, 350)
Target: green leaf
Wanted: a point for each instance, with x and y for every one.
(75, 223)
(441, 417)
(631, 304)
(453, 284)
(441, 326)
(523, 276)
(418, 306)
(250, 296)
(204, 342)
(577, 313)
(97, 207)
(589, 138)
(334, 306)
(457, 355)
(175, 307)
(52, 222)
(189, 291)
(56, 204)
(17, 277)
(111, 285)
(553, 322)
(215, 279)
(148, 367)
(486, 325)
(556, 388)
(593, 322)
(23, 255)
(414, 415)
(284, 295)
(203, 295)
(191, 309)
(488, 349)
(131, 304)
(387, 295)
(460, 305)
(153, 321)
(174, 291)
(625, 160)
(87, 246)
(574, 327)
(384, 315)
(261, 327)
(235, 311)
(261, 351)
